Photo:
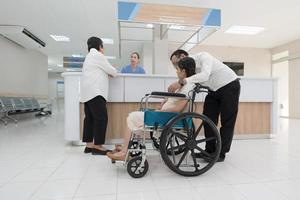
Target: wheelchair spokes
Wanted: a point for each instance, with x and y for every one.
(187, 129)
(182, 158)
(179, 135)
(196, 133)
(190, 139)
(196, 165)
(176, 143)
(137, 168)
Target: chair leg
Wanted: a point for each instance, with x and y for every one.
(11, 118)
(2, 120)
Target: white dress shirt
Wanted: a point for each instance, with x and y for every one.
(94, 80)
(213, 73)
(172, 102)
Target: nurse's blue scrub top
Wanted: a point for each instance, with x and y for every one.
(128, 70)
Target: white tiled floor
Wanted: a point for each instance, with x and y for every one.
(36, 163)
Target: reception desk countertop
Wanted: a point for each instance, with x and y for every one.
(130, 88)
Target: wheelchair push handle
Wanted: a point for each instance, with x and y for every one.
(200, 88)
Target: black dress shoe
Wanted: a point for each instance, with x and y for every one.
(221, 158)
(202, 155)
(100, 152)
(208, 159)
(88, 150)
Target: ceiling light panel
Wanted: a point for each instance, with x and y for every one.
(245, 30)
(60, 38)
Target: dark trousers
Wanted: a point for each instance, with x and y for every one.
(224, 102)
(95, 121)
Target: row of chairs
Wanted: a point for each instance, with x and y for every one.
(18, 105)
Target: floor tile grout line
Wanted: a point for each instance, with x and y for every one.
(257, 180)
(10, 180)
(196, 188)
(118, 171)
(287, 197)
(242, 194)
(156, 190)
(81, 179)
(43, 182)
(225, 185)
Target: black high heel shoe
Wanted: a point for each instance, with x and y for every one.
(99, 152)
(88, 150)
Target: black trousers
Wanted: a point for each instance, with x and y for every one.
(95, 121)
(224, 102)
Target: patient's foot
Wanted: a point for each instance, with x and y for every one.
(117, 156)
(118, 147)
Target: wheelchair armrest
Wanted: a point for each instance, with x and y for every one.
(168, 94)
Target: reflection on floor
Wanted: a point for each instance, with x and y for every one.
(36, 163)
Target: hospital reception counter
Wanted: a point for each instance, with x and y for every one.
(257, 116)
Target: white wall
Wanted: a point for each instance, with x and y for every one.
(161, 62)
(294, 73)
(281, 72)
(294, 88)
(257, 61)
(293, 48)
(52, 84)
(147, 54)
(56, 101)
(23, 72)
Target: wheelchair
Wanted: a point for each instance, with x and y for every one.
(177, 136)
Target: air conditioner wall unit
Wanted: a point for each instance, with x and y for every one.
(21, 36)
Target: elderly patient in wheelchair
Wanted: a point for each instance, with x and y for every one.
(135, 120)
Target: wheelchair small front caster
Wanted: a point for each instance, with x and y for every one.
(134, 164)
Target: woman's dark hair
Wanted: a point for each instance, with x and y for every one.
(188, 64)
(178, 52)
(137, 54)
(94, 42)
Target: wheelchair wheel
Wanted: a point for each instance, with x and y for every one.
(190, 138)
(178, 150)
(156, 144)
(134, 164)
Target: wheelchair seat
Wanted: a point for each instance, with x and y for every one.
(156, 119)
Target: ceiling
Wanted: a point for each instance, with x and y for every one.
(80, 19)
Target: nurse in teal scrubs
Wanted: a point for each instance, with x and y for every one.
(133, 67)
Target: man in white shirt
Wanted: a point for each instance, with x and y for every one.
(223, 98)
(94, 91)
